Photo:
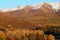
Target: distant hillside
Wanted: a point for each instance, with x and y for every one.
(15, 22)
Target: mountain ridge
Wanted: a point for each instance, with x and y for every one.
(55, 5)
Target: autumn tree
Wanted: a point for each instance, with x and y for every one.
(51, 37)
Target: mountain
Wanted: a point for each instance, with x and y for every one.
(20, 12)
(44, 10)
(58, 12)
(55, 5)
(15, 22)
(44, 13)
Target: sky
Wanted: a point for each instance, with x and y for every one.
(5, 4)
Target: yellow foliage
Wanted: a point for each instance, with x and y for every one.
(2, 35)
(51, 37)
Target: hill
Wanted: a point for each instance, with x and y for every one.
(14, 22)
